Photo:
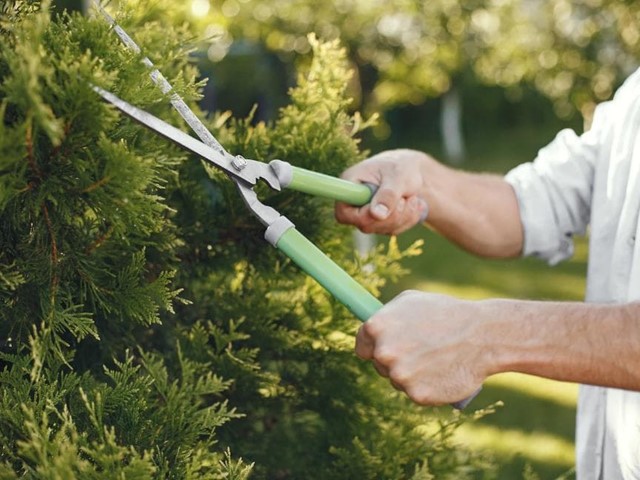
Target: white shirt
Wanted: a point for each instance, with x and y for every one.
(594, 180)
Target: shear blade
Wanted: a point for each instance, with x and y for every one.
(249, 174)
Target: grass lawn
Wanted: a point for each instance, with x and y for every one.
(536, 424)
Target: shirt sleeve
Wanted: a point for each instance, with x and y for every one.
(554, 191)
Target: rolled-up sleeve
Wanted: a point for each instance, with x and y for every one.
(554, 192)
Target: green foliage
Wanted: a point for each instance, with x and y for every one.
(147, 329)
(88, 257)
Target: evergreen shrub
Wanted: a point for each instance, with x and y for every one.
(146, 328)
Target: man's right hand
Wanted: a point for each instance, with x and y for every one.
(398, 204)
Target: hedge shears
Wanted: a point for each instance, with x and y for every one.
(277, 174)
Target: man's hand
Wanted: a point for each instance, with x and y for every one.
(428, 345)
(478, 212)
(397, 204)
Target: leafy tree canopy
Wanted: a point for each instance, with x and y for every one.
(406, 50)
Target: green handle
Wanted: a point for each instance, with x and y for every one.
(328, 274)
(327, 186)
(338, 282)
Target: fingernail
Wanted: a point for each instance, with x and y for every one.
(424, 207)
(380, 210)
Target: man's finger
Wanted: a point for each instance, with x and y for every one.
(415, 213)
(364, 344)
(385, 202)
(397, 386)
(380, 368)
(345, 213)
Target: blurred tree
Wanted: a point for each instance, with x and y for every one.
(405, 51)
(68, 5)
(575, 52)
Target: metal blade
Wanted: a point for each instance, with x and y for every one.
(249, 170)
(224, 162)
(183, 109)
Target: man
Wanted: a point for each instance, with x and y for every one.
(440, 349)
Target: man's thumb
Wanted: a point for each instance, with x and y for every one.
(384, 202)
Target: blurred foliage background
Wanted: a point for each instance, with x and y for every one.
(512, 60)
(407, 51)
(479, 83)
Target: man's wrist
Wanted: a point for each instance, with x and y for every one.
(507, 333)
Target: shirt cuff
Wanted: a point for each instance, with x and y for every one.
(542, 238)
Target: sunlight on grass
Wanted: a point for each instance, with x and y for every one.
(581, 249)
(471, 292)
(500, 284)
(562, 393)
(564, 285)
(536, 447)
(548, 283)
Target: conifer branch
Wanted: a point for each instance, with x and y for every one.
(96, 184)
(100, 240)
(30, 155)
(65, 132)
(29, 186)
(54, 249)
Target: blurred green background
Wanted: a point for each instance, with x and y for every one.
(481, 85)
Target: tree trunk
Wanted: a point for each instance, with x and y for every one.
(451, 126)
(364, 243)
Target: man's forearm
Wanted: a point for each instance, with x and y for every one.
(439, 349)
(479, 212)
(577, 342)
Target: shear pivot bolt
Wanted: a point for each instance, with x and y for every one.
(239, 162)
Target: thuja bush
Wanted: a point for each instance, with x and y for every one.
(146, 328)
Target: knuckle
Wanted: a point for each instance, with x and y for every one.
(385, 356)
(351, 173)
(407, 294)
(386, 191)
(373, 327)
(399, 376)
(419, 395)
(389, 195)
